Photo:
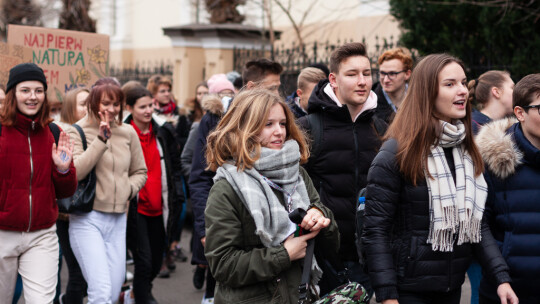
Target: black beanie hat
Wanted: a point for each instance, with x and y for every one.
(24, 72)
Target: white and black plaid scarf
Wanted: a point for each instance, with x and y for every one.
(280, 166)
(455, 208)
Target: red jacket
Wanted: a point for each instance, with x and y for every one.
(29, 181)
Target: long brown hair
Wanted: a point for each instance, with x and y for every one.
(235, 137)
(8, 114)
(69, 106)
(416, 127)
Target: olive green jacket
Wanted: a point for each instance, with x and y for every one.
(245, 270)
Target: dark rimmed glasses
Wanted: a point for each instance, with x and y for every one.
(532, 107)
(391, 75)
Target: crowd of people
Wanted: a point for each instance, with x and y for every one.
(448, 171)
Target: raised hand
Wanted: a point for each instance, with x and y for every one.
(104, 125)
(62, 154)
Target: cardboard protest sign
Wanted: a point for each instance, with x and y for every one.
(70, 59)
(10, 56)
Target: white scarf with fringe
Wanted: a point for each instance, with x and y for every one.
(455, 209)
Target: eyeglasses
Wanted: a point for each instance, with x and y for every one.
(391, 75)
(226, 94)
(532, 107)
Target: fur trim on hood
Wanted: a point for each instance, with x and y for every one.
(212, 103)
(498, 149)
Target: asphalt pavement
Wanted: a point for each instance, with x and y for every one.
(179, 289)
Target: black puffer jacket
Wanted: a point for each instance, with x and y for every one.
(396, 228)
(340, 169)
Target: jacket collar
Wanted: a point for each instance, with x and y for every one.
(531, 155)
(498, 149)
(25, 123)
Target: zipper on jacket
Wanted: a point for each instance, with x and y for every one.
(31, 176)
(450, 268)
(356, 190)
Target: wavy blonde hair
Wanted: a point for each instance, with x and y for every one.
(236, 136)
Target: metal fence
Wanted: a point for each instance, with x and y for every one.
(141, 71)
(296, 57)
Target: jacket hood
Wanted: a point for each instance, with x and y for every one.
(213, 104)
(320, 100)
(498, 149)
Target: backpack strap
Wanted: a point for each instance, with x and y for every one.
(380, 125)
(55, 130)
(315, 125)
(81, 133)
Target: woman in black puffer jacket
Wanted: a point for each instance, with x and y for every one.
(426, 194)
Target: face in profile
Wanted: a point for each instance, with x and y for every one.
(506, 95)
(81, 104)
(451, 101)
(30, 97)
(2, 98)
(305, 94)
(163, 95)
(274, 132)
(352, 83)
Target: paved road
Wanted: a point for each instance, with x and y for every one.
(178, 289)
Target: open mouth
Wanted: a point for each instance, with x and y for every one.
(460, 103)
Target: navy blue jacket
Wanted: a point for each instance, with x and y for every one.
(513, 205)
(200, 179)
(478, 120)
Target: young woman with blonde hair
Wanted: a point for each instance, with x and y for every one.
(257, 150)
(426, 195)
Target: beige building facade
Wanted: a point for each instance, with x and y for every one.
(138, 35)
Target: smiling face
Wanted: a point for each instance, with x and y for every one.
(30, 96)
(352, 83)
(108, 104)
(451, 101)
(142, 110)
(274, 131)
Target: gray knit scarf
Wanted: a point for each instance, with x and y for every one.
(280, 166)
(455, 208)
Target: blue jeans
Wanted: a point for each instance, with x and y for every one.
(475, 276)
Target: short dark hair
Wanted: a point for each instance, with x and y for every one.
(256, 70)
(345, 51)
(133, 93)
(526, 90)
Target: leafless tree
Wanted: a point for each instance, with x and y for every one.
(75, 16)
(24, 12)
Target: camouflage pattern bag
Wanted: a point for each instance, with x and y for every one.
(350, 293)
